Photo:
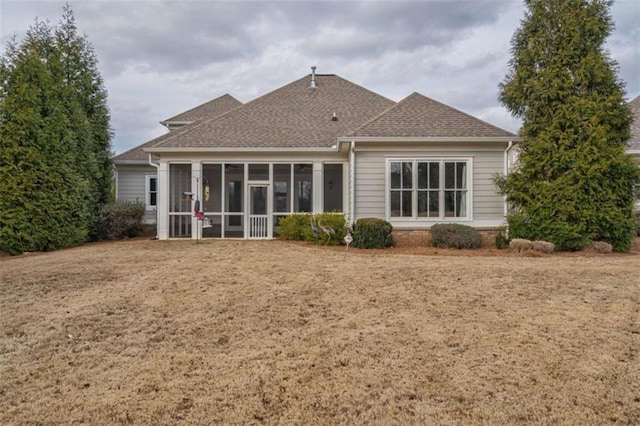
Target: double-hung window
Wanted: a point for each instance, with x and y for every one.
(151, 192)
(429, 189)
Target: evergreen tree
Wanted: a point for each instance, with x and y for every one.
(574, 182)
(89, 108)
(55, 157)
(42, 197)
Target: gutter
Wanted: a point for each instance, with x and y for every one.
(294, 149)
(386, 139)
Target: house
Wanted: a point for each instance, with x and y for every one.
(317, 144)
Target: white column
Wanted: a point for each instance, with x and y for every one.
(196, 189)
(318, 195)
(162, 212)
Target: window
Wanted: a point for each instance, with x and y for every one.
(429, 189)
(151, 199)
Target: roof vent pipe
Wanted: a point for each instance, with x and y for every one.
(313, 77)
(335, 117)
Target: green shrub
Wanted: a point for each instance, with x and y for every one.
(121, 219)
(298, 227)
(372, 233)
(502, 241)
(454, 235)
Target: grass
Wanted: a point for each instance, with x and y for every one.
(282, 333)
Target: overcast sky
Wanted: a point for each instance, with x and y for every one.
(159, 58)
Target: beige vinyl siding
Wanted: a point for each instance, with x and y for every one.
(371, 165)
(132, 183)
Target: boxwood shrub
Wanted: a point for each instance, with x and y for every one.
(372, 233)
(455, 235)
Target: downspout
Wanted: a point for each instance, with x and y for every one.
(115, 182)
(506, 172)
(352, 183)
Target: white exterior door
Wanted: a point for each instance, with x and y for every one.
(259, 214)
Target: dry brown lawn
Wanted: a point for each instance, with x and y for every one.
(240, 332)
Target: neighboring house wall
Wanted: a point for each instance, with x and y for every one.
(132, 185)
(372, 185)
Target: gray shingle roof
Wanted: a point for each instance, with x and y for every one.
(422, 117)
(209, 109)
(634, 142)
(214, 108)
(293, 116)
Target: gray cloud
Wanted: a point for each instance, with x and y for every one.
(159, 58)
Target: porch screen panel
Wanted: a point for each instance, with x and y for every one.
(281, 188)
(259, 172)
(333, 187)
(234, 203)
(179, 203)
(303, 184)
(212, 188)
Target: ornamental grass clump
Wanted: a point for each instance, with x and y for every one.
(602, 247)
(298, 227)
(453, 235)
(543, 247)
(521, 245)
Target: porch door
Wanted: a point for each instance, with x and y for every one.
(258, 211)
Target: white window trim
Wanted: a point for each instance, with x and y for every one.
(415, 218)
(147, 192)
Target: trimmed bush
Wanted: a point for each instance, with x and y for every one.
(455, 235)
(297, 227)
(372, 233)
(119, 220)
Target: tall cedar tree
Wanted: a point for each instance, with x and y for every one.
(42, 197)
(92, 126)
(55, 170)
(574, 182)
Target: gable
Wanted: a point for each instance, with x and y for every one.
(418, 116)
(213, 108)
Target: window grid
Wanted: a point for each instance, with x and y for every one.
(437, 189)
